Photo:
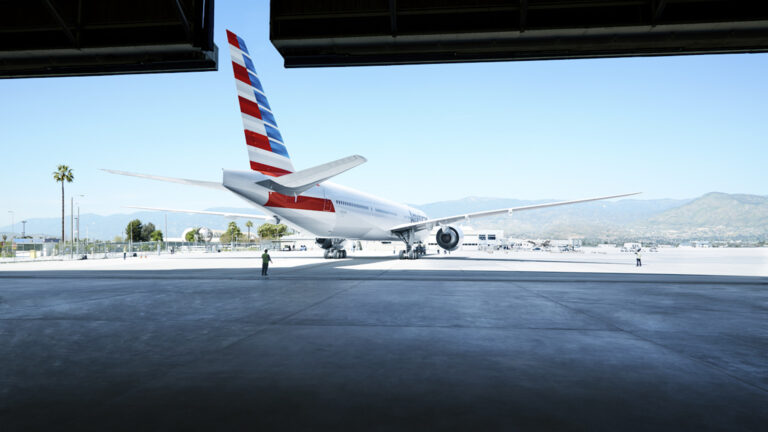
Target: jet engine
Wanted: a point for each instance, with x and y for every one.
(449, 238)
(324, 243)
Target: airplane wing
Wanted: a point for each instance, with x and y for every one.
(299, 181)
(207, 184)
(431, 223)
(225, 214)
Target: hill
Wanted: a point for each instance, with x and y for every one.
(714, 216)
(102, 227)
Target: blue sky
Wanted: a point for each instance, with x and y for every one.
(672, 127)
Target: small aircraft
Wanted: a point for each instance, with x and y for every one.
(306, 200)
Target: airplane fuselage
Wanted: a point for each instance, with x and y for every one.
(326, 210)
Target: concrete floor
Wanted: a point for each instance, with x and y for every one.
(379, 344)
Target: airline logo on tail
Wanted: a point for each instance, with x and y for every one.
(266, 149)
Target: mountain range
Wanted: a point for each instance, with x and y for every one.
(713, 216)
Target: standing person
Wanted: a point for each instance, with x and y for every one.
(638, 263)
(265, 260)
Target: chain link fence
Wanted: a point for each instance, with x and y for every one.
(106, 249)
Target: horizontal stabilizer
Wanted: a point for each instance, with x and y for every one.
(201, 183)
(299, 181)
(205, 212)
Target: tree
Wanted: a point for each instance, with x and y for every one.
(146, 231)
(156, 236)
(63, 174)
(118, 239)
(272, 231)
(249, 225)
(233, 231)
(191, 234)
(133, 230)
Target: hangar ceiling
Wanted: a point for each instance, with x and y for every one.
(379, 32)
(43, 38)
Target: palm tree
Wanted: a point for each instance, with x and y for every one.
(63, 174)
(248, 225)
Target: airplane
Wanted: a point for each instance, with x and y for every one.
(306, 200)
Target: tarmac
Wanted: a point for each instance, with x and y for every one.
(467, 341)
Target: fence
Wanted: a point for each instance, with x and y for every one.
(101, 250)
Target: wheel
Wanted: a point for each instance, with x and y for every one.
(343, 253)
(402, 254)
(327, 254)
(411, 255)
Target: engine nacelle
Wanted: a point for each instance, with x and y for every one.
(449, 238)
(274, 220)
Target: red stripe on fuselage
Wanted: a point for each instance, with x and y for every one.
(248, 107)
(268, 169)
(300, 202)
(241, 73)
(232, 39)
(257, 140)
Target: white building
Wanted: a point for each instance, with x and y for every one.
(474, 239)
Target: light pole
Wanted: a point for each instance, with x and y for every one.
(72, 227)
(13, 227)
(78, 224)
(23, 229)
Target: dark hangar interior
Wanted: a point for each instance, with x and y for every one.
(384, 32)
(46, 38)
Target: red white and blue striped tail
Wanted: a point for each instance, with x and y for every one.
(266, 150)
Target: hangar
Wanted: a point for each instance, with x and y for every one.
(481, 344)
(73, 37)
(381, 32)
(52, 38)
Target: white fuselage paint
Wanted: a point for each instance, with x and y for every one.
(356, 215)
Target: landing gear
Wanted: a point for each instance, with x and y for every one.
(335, 254)
(416, 252)
(412, 251)
(334, 248)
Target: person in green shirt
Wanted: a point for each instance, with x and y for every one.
(265, 260)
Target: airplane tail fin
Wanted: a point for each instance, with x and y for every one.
(266, 150)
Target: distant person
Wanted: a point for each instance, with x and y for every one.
(639, 262)
(265, 260)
